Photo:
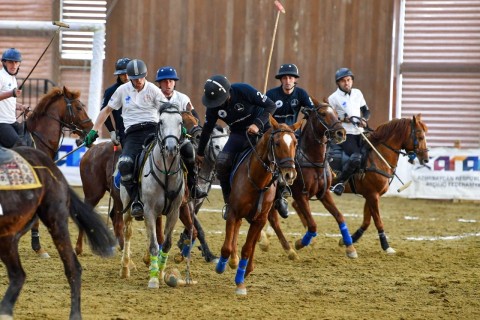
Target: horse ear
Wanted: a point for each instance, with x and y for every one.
(315, 101)
(273, 122)
(296, 125)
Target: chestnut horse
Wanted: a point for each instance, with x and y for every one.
(389, 139)
(254, 184)
(53, 201)
(314, 177)
(58, 112)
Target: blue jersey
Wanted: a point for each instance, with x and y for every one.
(246, 106)
(289, 105)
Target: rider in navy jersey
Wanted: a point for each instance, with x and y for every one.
(242, 108)
(289, 100)
(117, 136)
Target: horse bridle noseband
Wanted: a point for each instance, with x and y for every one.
(328, 129)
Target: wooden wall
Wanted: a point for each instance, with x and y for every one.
(204, 37)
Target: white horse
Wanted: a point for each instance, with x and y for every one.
(162, 191)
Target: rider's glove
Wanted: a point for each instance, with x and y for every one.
(90, 138)
(114, 138)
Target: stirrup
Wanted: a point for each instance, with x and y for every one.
(225, 211)
(281, 204)
(338, 189)
(136, 210)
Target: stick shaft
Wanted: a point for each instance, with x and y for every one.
(376, 151)
(271, 52)
(80, 146)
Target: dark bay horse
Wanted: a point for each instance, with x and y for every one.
(53, 201)
(389, 139)
(58, 112)
(314, 177)
(254, 184)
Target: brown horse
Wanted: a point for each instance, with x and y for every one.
(389, 139)
(58, 112)
(53, 201)
(253, 191)
(314, 177)
(97, 168)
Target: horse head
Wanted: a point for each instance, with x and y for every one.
(283, 144)
(418, 143)
(169, 129)
(217, 141)
(191, 124)
(73, 114)
(325, 121)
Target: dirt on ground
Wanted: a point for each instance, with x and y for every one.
(435, 273)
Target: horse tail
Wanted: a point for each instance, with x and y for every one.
(99, 237)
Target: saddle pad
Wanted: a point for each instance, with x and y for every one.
(18, 174)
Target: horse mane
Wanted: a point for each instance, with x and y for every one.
(396, 128)
(50, 97)
(168, 105)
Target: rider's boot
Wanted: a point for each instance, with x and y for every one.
(195, 191)
(136, 210)
(226, 195)
(281, 204)
(348, 170)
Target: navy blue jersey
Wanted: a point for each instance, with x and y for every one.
(245, 106)
(289, 105)
(117, 114)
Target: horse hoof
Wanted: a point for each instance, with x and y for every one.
(390, 251)
(341, 243)
(6, 317)
(241, 291)
(264, 245)
(178, 258)
(153, 283)
(41, 253)
(125, 273)
(233, 263)
(292, 255)
(351, 252)
(298, 245)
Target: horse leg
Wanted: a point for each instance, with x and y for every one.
(172, 219)
(126, 262)
(329, 204)
(190, 232)
(153, 248)
(302, 207)
(232, 225)
(16, 275)
(36, 246)
(117, 221)
(234, 258)
(372, 202)
(245, 266)
(58, 229)
(274, 222)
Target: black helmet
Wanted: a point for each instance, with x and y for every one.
(12, 54)
(165, 73)
(136, 69)
(216, 91)
(121, 65)
(287, 69)
(342, 73)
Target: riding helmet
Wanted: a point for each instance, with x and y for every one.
(342, 73)
(287, 69)
(121, 66)
(216, 91)
(167, 73)
(12, 54)
(136, 69)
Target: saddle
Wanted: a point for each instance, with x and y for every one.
(16, 173)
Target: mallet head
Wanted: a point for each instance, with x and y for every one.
(60, 24)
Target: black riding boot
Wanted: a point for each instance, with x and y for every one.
(281, 204)
(195, 191)
(136, 210)
(226, 195)
(342, 178)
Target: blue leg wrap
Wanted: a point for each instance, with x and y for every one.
(347, 239)
(307, 238)
(221, 264)
(383, 240)
(186, 249)
(240, 276)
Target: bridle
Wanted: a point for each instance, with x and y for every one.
(328, 129)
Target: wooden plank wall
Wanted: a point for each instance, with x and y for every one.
(204, 37)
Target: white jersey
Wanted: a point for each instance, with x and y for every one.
(137, 107)
(180, 99)
(348, 105)
(8, 106)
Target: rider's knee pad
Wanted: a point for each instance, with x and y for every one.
(356, 159)
(125, 167)
(224, 165)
